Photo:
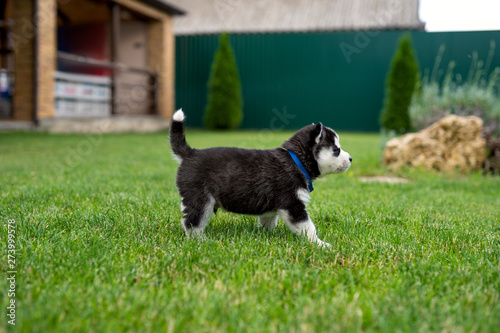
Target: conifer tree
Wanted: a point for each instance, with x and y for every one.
(224, 109)
(400, 85)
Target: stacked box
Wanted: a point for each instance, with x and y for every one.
(80, 96)
(66, 108)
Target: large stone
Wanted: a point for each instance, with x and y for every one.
(451, 144)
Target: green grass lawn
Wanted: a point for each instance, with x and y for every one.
(100, 247)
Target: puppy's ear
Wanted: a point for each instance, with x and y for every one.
(317, 132)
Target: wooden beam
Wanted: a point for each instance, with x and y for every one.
(3, 35)
(143, 9)
(101, 63)
(115, 56)
(161, 55)
(45, 39)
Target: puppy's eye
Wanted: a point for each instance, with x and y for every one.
(336, 151)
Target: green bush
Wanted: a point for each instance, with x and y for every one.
(477, 95)
(225, 103)
(400, 85)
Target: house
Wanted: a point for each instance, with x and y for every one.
(261, 16)
(87, 65)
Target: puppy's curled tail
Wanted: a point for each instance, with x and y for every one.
(178, 143)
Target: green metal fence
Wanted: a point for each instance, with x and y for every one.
(290, 80)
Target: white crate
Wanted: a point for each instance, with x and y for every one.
(85, 90)
(88, 87)
(94, 92)
(101, 92)
(93, 109)
(94, 79)
(103, 109)
(66, 108)
(58, 87)
(66, 89)
(84, 108)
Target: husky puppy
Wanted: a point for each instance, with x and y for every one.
(265, 183)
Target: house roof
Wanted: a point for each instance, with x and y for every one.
(164, 6)
(241, 16)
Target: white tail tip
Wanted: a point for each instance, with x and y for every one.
(178, 115)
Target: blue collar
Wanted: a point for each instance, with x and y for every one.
(301, 167)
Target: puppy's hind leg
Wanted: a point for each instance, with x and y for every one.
(268, 221)
(196, 215)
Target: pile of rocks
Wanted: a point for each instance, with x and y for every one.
(452, 144)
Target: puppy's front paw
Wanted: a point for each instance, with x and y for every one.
(323, 244)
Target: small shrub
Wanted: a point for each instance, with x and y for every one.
(225, 103)
(401, 80)
(478, 95)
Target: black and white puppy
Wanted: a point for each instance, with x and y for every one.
(266, 183)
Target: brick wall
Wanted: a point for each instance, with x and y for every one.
(47, 48)
(161, 58)
(23, 37)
